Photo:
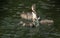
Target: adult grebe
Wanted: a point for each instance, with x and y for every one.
(34, 12)
(30, 15)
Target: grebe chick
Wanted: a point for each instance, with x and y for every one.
(46, 22)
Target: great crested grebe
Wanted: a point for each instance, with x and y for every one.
(30, 15)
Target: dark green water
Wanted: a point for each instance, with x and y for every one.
(9, 19)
